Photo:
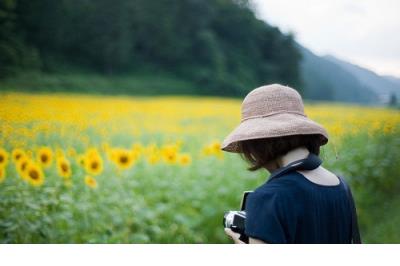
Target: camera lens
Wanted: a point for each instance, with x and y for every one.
(228, 219)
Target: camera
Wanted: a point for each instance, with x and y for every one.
(235, 220)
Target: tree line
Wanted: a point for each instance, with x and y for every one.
(218, 44)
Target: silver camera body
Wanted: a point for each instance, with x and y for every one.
(236, 220)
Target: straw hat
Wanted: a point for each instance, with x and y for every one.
(272, 111)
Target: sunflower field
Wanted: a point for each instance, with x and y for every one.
(116, 169)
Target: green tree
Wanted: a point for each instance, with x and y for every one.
(217, 44)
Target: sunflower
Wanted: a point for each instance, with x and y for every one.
(93, 164)
(184, 159)
(64, 167)
(34, 174)
(90, 181)
(2, 174)
(124, 158)
(3, 157)
(216, 147)
(170, 153)
(22, 166)
(170, 156)
(17, 154)
(45, 156)
(213, 149)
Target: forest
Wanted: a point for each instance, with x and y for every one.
(217, 46)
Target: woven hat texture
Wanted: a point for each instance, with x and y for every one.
(272, 111)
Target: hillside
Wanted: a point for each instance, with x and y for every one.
(383, 86)
(218, 45)
(326, 80)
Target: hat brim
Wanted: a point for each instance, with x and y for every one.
(278, 125)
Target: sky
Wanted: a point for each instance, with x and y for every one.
(364, 32)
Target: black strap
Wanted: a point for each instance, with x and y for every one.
(244, 238)
(311, 162)
(355, 232)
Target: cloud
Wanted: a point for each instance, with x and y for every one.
(364, 32)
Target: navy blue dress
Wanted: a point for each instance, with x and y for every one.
(292, 209)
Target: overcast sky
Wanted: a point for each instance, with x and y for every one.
(364, 32)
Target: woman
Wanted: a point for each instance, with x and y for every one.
(297, 206)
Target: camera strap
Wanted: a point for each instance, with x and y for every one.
(311, 162)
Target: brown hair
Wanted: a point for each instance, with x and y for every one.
(259, 152)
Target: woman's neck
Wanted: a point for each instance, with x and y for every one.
(293, 155)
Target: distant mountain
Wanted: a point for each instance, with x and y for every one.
(392, 79)
(383, 86)
(327, 80)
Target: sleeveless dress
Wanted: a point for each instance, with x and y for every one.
(292, 209)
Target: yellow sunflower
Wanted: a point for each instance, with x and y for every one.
(184, 159)
(64, 167)
(90, 181)
(213, 149)
(123, 158)
(22, 166)
(45, 156)
(93, 164)
(3, 157)
(170, 153)
(216, 147)
(2, 174)
(17, 154)
(34, 174)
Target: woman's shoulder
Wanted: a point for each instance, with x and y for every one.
(283, 187)
(284, 183)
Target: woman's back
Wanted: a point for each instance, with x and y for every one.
(293, 209)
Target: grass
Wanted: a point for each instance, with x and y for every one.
(92, 83)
